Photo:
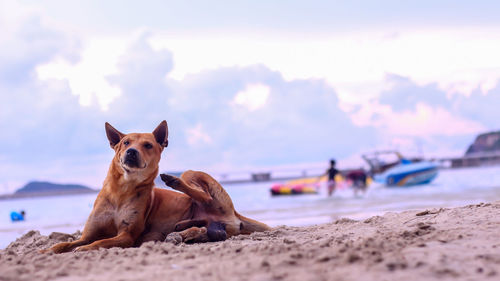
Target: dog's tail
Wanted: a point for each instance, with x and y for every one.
(249, 225)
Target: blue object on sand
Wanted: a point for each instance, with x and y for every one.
(15, 216)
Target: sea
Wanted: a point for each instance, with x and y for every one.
(454, 187)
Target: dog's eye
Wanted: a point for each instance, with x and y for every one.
(148, 145)
(126, 142)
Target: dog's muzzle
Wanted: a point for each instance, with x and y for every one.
(132, 158)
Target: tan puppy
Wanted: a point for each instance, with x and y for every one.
(129, 210)
(212, 216)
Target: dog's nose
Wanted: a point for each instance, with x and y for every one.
(131, 152)
(131, 158)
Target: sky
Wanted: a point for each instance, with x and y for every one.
(243, 85)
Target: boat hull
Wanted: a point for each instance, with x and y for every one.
(410, 174)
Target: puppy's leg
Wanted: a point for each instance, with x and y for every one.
(185, 224)
(220, 198)
(89, 235)
(122, 240)
(180, 185)
(200, 186)
(214, 232)
(65, 246)
(223, 203)
(151, 236)
(194, 234)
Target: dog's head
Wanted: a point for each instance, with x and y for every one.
(138, 154)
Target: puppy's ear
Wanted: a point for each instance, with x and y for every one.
(114, 136)
(161, 134)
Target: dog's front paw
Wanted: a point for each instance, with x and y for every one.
(46, 251)
(82, 249)
(56, 249)
(171, 181)
(174, 238)
(194, 234)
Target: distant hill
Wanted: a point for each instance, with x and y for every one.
(488, 142)
(41, 186)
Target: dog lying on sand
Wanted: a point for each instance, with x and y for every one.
(129, 210)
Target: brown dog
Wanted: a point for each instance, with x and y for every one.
(129, 210)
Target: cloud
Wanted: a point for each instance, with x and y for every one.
(197, 135)
(301, 120)
(252, 97)
(46, 133)
(87, 77)
(415, 118)
(480, 107)
(477, 110)
(430, 121)
(283, 121)
(28, 43)
(455, 60)
(237, 103)
(404, 94)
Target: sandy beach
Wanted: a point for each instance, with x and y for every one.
(435, 244)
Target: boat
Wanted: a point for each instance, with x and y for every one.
(409, 173)
(403, 171)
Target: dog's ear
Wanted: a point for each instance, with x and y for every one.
(161, 134)
(114, 136)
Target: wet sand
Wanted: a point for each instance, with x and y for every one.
(436, 244)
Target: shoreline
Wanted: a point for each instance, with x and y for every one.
(28, 195)
(461, 243)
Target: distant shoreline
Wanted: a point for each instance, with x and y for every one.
(46, 194)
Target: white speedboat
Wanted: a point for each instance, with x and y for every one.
(406, 174)
(402, 172)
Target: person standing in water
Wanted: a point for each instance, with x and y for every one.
(331, 173)
(358, 179)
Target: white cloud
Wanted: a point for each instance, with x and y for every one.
(424, 121)
(88, 77)
(459, 60)
(253, 97)
(356, 64)
(196, 135)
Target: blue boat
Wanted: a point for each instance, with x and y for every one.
(407, 174)
(402, 172)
